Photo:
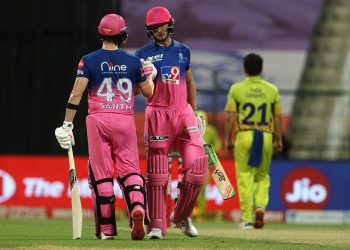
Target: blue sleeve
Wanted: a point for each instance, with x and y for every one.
(83, 69)
(140, 76)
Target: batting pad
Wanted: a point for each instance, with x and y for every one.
(191, 186)
(157, 174)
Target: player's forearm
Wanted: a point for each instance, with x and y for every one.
(191, 90)
(72, 106)
(191, 95)
(70, 114)
(75, 97)
(278, 127)
(147, 88)
(229, 127)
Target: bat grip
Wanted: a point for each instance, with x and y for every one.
(71, 157)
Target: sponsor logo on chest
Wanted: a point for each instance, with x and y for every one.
(155, 58)
(170, 74)
(109, 67)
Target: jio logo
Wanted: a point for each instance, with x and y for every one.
(305, 188)
(7, 186)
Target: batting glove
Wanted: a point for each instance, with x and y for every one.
(201, 124)
(148, 68)
(64, 135)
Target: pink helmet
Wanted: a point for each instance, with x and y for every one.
(111, 25)
(158, 15)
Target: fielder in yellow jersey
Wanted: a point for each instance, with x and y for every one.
(254, 114)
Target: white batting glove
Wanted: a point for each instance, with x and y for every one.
(148, 68)
(201, 124)
(64, 135)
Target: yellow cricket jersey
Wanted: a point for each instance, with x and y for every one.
(255, 101)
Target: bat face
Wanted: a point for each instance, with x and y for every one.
(221, 180)
(77, 214)
(218, 173)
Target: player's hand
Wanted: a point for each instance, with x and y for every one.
(64, 135)
(229, 146)
(201, 124)
(277, 146)
(148, 68)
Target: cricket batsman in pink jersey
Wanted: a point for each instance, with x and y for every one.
(111, 76)
(170, 120)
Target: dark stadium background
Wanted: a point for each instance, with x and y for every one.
(42, 42)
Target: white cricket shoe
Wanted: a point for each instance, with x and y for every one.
(103, 236)
(246, 225)
(155, 234)
(186, 226)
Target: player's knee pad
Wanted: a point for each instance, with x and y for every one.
(191, 185)
(133, 186)
(103, 200)
(157, 175)
(197, 173)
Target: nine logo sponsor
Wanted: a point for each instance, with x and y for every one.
(305, 188)
(110, 67)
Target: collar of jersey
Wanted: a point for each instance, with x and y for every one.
(161, 47)
(251, 79)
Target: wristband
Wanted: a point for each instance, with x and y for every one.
(72, 106)
(68, 125)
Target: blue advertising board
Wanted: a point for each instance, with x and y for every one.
(309, 185)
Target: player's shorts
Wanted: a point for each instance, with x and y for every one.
(178, 126)
(112, 144)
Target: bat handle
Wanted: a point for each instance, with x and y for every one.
(71, 157)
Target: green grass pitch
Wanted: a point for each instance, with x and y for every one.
(56, 234)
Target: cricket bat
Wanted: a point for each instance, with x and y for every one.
(218, 174)
(77, 215)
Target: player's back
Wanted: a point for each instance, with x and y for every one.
(256, 101)
(170, 87)
(112, 77)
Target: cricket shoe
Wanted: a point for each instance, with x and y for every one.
(155, 234)
(103, 236)
(246, 225)
(259, 218)
(138, 229)
(186, 226)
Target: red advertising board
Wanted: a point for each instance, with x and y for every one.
(43, 181)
